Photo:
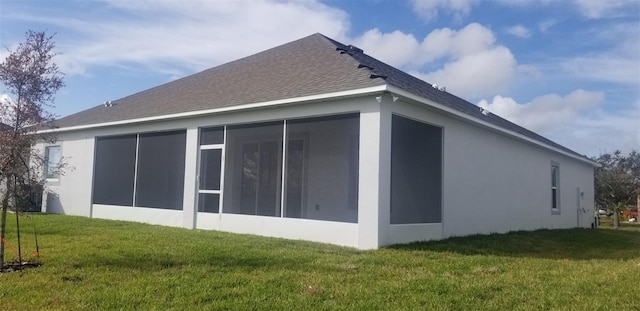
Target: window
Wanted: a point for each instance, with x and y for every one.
(416, 172)
(555, 176)
(145, 170)
(52, 162)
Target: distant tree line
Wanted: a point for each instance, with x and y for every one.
(617, 182)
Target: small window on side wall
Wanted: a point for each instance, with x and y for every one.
(555, 188)
(52, 161)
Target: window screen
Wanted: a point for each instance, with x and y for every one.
(416, 172)
(160, 177)
(295, 178)
(208, 202)
(114, 170)
(210, 167)
(212, 136)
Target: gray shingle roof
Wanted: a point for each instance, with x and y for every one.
(309, 66)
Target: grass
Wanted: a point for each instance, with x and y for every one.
(91, 264)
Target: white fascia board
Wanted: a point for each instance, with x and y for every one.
(464, 116)
(311, 98)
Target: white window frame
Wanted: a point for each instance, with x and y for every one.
(555, 179)
(222, 148)
(47, 163)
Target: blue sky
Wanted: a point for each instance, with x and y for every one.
(567, 69)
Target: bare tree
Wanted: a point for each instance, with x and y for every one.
(31, 79)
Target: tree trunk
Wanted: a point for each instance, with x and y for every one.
(16, 208)
(3, 223)
(616, 216)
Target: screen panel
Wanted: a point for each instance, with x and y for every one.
(160, 177)
(114, 170)
(210, 168)
(416, 172)
(208, 202)
(253, 169)
(212, 136)
(322, 168)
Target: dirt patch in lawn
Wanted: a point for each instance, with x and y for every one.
(17, 266)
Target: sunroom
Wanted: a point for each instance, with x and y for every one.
(294, 178)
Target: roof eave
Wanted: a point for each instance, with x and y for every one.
(272, 103)
(334, 95)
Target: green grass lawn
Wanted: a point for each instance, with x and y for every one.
(91, 264)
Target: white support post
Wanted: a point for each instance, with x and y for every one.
(190, 179)
(375, 171)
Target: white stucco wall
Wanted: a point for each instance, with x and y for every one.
(71, 193)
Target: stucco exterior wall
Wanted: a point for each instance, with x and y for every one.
(70, 194)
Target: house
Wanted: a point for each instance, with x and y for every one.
(315, 140)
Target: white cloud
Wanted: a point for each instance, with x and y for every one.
(577, 120)
(602, 131)
(429, 9)
(168, 36)
(480, 74)
(468, 61)
(173, 39)
(545, 25)
(545, 111)
(605, 67)
(395, 48)
(402, 50)
(617, 61)
(591, 9)
(595, 9)
(519, 31)
(472, 39)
